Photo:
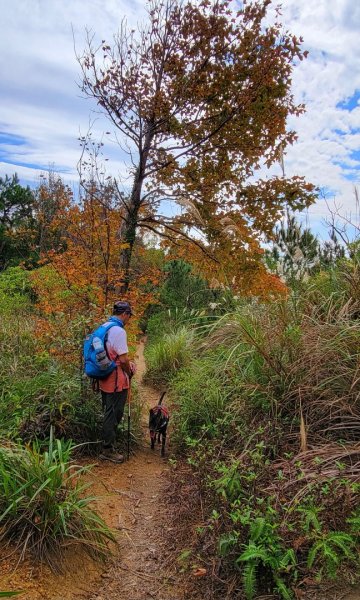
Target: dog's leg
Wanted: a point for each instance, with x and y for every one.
(159, 438)
(163, 444)
(152, 439)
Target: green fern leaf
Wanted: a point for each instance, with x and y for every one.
(354, 523)
(312, 554)
(284, 591)
(289, 558)
(257, 528)
(253, 553)
(250, 580)
(343, 541)
(226, 543)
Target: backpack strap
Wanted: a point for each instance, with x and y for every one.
(104, 329)
(116, 321)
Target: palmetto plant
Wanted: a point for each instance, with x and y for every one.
(43, 503)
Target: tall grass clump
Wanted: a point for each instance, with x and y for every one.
(44, 506)
(293, 368)
(200, 394)
(169, 354)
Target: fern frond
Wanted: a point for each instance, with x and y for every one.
(354, 523)
(253, 553)
(226, 542)
(289, 558)
(311, 518)
(330, 555)
(342, 540)
(249, 579)
(284, 591)
(257, 528)
(312, 554)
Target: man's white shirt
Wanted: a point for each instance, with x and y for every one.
(117, 340)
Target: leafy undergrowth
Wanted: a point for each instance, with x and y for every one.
(260, 531)
(267, 417)
(41, 391)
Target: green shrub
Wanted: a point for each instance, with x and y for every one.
(267, 382)
(166, 356)
(43, 504)
(158, 325)
(37, 392)
(199, 394)
(35, 397)
(165, 321)
(15, 291)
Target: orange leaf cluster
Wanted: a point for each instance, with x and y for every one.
(77, 284)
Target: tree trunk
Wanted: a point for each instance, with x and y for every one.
(127, 236)
(129, 226)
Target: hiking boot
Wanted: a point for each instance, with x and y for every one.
(112, 455)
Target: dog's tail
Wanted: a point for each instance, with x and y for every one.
(161, 398)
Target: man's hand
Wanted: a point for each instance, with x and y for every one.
(132, 368)
(127, 365)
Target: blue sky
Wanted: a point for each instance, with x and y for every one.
(42, 112)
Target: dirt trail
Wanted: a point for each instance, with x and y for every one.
(137, 510)
(132, 501)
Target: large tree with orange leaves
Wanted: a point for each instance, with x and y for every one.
(200, 96)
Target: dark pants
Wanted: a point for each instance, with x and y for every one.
(113, 405)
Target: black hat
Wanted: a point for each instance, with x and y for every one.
(122, 307)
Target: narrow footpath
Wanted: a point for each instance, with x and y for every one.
(136, 508)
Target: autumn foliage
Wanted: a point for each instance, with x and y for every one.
(199, 98)
(78, 281)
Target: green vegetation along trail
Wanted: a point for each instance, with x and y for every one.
(132, 502)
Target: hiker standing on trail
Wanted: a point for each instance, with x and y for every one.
(115, 387)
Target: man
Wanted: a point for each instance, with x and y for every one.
(115, 387)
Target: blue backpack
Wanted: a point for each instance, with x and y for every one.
(97, 363)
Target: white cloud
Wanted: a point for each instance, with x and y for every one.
(41, 102)
(328, 134)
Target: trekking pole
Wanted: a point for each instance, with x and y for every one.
(128, 437)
